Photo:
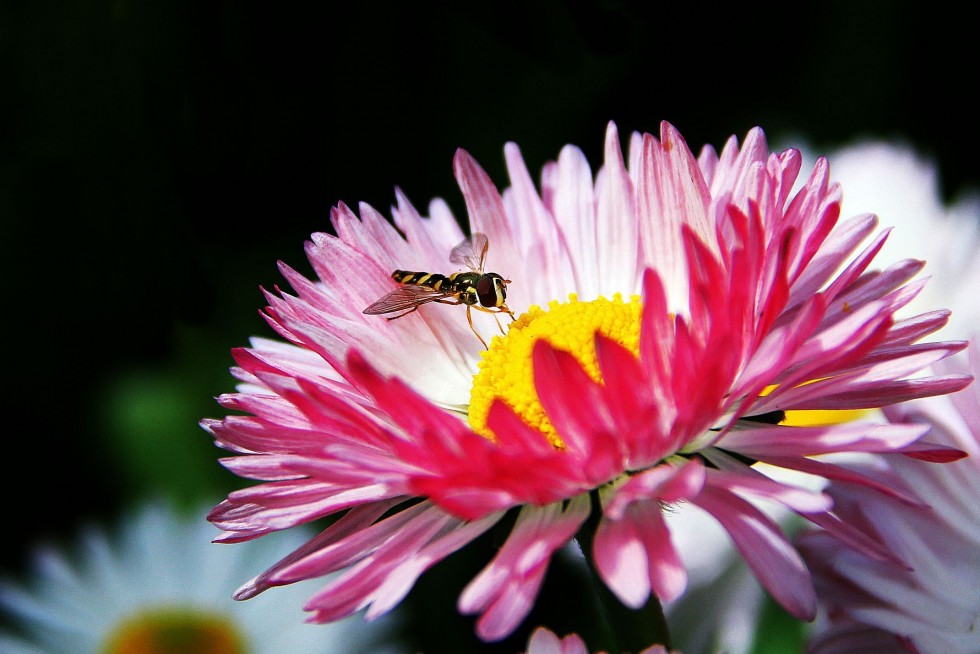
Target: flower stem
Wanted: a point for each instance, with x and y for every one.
(628, 630)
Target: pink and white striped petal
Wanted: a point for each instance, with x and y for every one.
(503, 593)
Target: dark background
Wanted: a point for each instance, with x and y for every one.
(158, 158)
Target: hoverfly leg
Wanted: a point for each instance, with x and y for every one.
(469, 318)
(502, 309)
(499, 326)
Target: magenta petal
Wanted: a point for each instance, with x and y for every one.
(933, 452)
(344, 544)
(570, 398)
(884, 393)
(664, 482)
(397, 585)
(352, 522)
(576, 407)
(859, 637)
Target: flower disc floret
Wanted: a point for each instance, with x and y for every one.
(173, 630)
(506, 370)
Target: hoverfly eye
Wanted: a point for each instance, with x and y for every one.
(489, 290)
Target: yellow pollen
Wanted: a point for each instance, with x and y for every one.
(505, 369)
(821, 417)
(173, 630)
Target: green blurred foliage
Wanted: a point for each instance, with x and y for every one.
(150, 420)
(777, 632)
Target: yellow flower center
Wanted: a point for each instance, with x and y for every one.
(506, 370)
(170, 630)
(818, 417)
(821, 417)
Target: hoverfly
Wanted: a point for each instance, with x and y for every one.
(484, 291)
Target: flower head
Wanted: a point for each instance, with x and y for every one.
(669, 310)
(159, 588)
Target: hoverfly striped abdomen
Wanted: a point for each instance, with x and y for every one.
(434, 281)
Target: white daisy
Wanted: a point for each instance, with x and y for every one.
(160, 586)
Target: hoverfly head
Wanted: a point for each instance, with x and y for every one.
(491, 289)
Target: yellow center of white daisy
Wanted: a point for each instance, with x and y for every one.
(175, 630)
(505, 370)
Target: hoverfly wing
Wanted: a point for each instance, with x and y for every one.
(405, 297)
(472, 252)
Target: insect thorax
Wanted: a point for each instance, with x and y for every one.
(464, 284)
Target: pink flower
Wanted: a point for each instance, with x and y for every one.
(669, 311)
(931, 602)
(544, 641)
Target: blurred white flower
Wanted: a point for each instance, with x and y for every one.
(160, 586)
(902, 186)
(933, 605)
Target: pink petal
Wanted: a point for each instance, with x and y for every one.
(504, 590)
(543, 641)
(384, 573)
(856, 537)
(534, 224)
(748, 481)
(570, 198)
(634, 555)
(632, 549)
(487, 215)
(670, 192)
(777, 565)
(841, 242)
(840, 473)
(783, 440)
(618, 268)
